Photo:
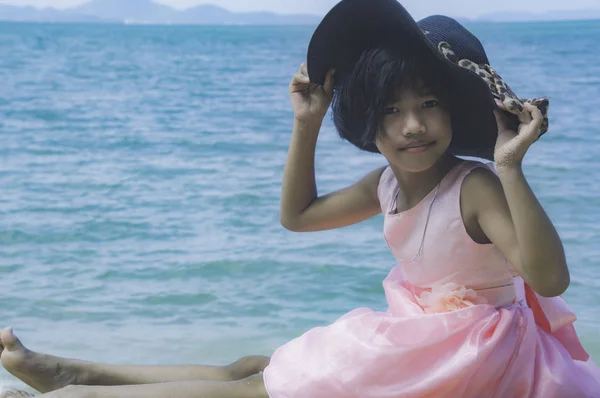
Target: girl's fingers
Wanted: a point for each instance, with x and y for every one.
(531, 115)
(328, 86)
(536, 115)
(532, 129)
(304, 69)
(525, 116)
(299, 79)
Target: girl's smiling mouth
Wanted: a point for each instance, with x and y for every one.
(417, 147)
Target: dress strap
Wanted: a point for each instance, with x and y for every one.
(386, 190)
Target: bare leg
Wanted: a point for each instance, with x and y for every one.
(48, 373)
(251, 387)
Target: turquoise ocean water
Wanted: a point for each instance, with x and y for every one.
(140, 171)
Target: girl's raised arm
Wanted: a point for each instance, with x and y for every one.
(302, 209)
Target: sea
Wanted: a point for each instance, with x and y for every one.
(140, 177)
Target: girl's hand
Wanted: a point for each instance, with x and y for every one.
(310, 101)
(511, 145)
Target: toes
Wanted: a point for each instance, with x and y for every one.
(2, 344)
(15, 394)
(10, 341)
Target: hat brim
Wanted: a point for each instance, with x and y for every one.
(353, 26)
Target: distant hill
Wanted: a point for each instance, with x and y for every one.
(10, 13)
(149, 12)
(572, 15)
(119, 10)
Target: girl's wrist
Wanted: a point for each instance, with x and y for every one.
(510, 175)
(306, 126)
(509, 169)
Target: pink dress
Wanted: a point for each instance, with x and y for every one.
(460, 322)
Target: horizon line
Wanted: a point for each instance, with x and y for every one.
(481, 18)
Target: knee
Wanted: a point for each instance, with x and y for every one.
(248, 366)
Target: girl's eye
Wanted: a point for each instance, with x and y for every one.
(430, 104)
(391, 110)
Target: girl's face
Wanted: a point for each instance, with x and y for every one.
(416, 130)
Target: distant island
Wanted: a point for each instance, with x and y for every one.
(149, 12)
(563, 15)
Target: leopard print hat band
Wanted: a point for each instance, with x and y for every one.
(499, 89)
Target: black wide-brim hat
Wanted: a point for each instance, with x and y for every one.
(354, 26)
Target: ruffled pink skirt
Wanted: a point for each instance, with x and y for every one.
(472, 350)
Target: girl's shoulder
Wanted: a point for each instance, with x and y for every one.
(472, 172)
(475, 181)
(478, 175)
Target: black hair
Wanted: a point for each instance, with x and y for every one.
(362, 93)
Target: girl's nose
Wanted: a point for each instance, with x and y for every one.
(413, 124)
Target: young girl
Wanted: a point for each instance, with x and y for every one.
(472, 310)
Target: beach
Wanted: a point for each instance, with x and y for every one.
(141, 172)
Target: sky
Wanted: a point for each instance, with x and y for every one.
(418, 8)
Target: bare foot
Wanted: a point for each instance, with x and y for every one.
(15, 394)
(43, 372)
